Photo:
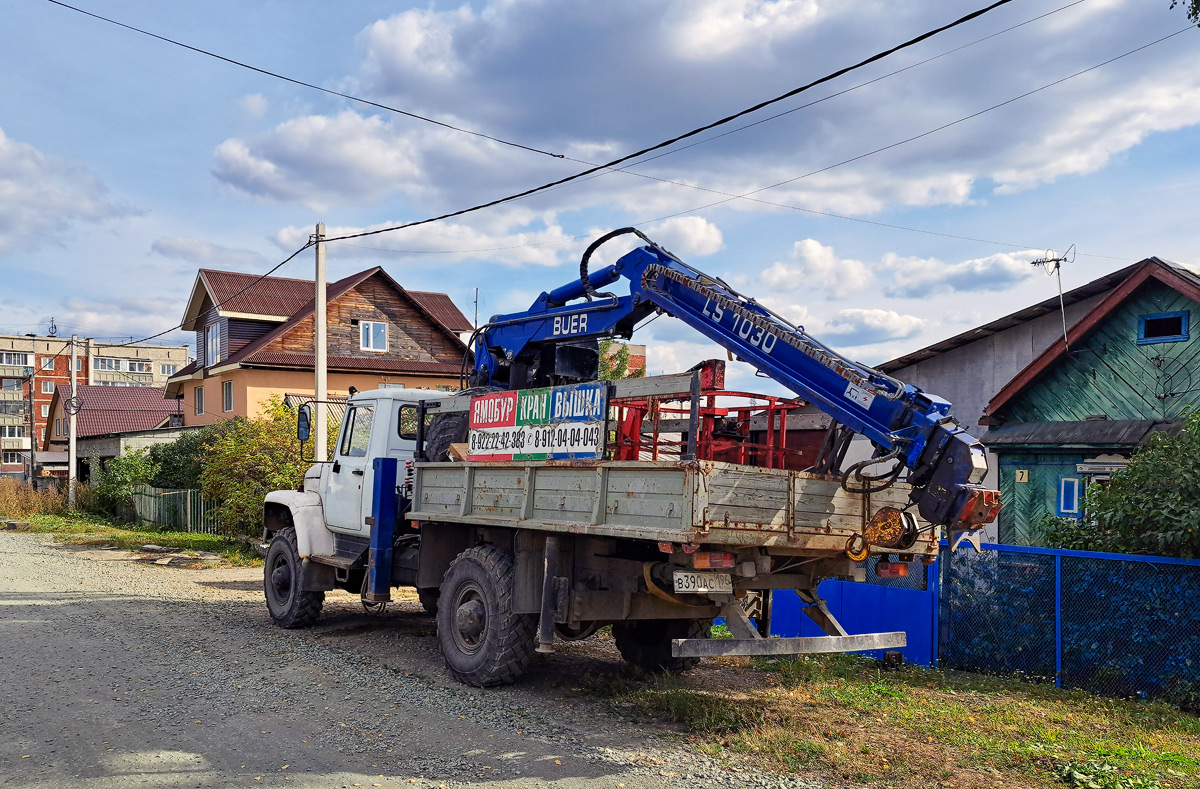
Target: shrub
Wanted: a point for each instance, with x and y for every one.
(20, 500)
(114, 481)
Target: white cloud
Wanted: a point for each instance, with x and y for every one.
(689, 236)
(254, 104)
(706, 29)
(858, 327)
(204, 253)
(135, 317)
(43, 196)
(514, 242)
(919, 277)
(318, 159)
(419, 42)
(817, 265)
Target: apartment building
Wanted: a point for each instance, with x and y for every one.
(44, 363)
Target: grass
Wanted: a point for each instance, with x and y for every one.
(844, 718)
(91, 530)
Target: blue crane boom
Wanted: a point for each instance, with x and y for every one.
(555, 341)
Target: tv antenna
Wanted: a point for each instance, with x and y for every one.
(1053, 265)
(53, 330)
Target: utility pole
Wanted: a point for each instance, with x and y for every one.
(32, 425)
(72, 460)
(320, 348)
(476, 321)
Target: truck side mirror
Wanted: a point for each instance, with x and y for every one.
(304, 422)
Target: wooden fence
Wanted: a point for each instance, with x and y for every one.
(175, 510)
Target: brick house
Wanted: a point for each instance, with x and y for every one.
(254, 340)
(49, 358)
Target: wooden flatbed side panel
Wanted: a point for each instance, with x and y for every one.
(498, 490)
(439, 491)
(651, 497)
(740, 496)
(564, 494)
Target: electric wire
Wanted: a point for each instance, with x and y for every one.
(185, 321)
(686, 135)
(294, 81)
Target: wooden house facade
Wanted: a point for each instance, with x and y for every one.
(255, 341)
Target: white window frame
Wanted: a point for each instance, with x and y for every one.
(227, 396)
(198, 399)
(168, 369)
(8, 458)
(108, 364)
(58, 427)
(366, 336)
(139, 366)
(1075, 486)
(48, 363)
(12, 431)
(46, 390)
(45, 412)
(78, 364)
(212, 344)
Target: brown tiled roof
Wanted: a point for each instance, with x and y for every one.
(120, 409)
(441, 308)
(266, 296)
(353, 364)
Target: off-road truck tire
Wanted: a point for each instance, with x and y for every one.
(287, 603)
(646, 643)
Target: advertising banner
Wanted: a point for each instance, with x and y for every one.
(556, 423)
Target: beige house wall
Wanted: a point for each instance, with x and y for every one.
(253, 389)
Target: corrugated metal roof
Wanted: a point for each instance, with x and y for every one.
(1093, 288)
(120, 409)
(441, 308)
(266, 296)
(1095, 433)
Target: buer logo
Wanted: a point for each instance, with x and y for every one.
(570, 324)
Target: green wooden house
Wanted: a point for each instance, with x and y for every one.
(1129, 367)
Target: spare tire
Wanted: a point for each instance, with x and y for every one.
(450, 428)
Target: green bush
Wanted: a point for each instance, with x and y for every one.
(179, 463)
(113, 481)
(247, 459)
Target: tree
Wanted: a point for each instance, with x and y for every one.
(1193, 9)
(113, 482)
(1152, 506)
(614, 360)
(246, 460)
(178, 463)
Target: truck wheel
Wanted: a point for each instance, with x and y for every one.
(289, 605)
(646, 643)
(429, 599)
(482, 640)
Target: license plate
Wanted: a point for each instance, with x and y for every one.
(689, 581)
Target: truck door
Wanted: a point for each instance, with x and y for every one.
(351, 473)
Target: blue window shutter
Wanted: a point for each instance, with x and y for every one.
(1068, 497)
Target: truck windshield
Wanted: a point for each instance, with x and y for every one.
(358, 431)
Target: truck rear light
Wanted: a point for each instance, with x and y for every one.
(885, 569)
(712, 560)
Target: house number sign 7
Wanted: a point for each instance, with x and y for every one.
(1022, 475)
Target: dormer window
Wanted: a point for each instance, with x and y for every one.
(373, 336)
(212, 344)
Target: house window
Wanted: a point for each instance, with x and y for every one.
(167, 369)
(227, 396)
(212, 344)
(1163, 327)
(12, 458)
(45, 411)
(47, 387)
(12, 431)
(136, 366)
(199, 394)
(106, 363)
(373, 336)
(58, 427)
(79, 364)
(10, 384)
(43, 438)
(391, 386)
(1069, 505)
(48, 363)
(14, 359)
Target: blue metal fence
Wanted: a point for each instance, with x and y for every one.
(1115, 624)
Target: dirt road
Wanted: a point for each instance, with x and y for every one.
(120, 673)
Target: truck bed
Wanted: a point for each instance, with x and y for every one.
(666, 501)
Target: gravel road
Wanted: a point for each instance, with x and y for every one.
(120, 673)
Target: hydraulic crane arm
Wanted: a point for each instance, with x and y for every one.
(555, 341)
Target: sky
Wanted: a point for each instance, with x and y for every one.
(127, 163)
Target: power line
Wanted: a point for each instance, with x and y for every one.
(749, 195)
(257, 280)
(294, 81)
(699, 130)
